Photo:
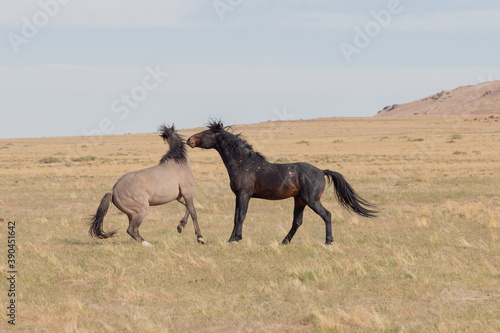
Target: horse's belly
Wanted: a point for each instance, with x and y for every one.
(141, 188)
(276, 196)
(156, 201)
(163, 195)
(275, 193)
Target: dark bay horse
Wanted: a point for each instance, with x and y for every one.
(172, 179)
(252, 176)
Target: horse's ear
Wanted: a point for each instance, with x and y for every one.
(215, 125)
(173, 127)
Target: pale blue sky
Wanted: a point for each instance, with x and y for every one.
(264, 60)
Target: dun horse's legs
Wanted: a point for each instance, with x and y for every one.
(184, 220)
(298, 212)
(318, 208)
(133, 228)
(192, 211)
(239, 216)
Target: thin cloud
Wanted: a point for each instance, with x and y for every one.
(318, 14)
(242, 80)
(107, 14)
(460, 21)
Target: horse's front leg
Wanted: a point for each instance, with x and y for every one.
(183, 222)
(191, 210)
(240, 213)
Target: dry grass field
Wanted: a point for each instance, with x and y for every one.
(429, 263)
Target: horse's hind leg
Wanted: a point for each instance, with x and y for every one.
(135, 221)
(318, 208)
(298, 212)
(192, 211)
(184, 220)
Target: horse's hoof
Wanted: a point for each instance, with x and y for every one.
(329, 244)
(201, 240)
(144, 243)
(180, 228)
(285, 242)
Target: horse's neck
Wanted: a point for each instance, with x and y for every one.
(167, 165)
(188, 161)
(231, 161)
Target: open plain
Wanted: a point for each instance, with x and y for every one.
(429, 262)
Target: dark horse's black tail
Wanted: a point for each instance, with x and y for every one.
(96, 223)
(348, 197)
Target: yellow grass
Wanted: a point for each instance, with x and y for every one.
(429, 262)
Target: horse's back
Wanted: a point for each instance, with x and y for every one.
(155, 185)
(277, 181)
(309, 174)
(308, 178)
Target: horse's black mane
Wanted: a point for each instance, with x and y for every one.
(177, 151)
(234, 142)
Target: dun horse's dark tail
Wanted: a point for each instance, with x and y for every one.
(97, 220)
(348, 197)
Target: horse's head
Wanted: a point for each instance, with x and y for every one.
(208, 138)
(166, 132)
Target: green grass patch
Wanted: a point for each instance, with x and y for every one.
(87, 158)
(49, 160)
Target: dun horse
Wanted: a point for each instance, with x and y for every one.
(172, 179)
(252, 176)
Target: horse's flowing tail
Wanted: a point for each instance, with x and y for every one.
(348, 197)
(97, 220)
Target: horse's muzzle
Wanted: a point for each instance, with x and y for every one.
(193, 142)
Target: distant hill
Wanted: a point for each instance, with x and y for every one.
(480, 99)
